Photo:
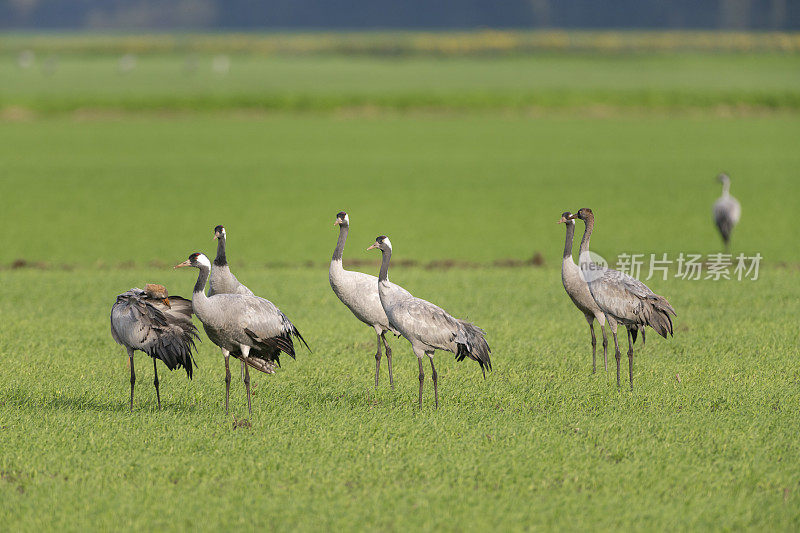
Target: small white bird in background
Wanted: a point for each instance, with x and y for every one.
(126, 63)
(221, 64)
(26, 59)
(726, 211)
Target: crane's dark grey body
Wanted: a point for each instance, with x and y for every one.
(162, 328)
(222, 280)
(242, 325)
(578, 292)
(359, 293)
(623, 299)
(426, 326)
(726, 211)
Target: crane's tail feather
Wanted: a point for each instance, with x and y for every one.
(174, 348)
(659, 318)
(261, 365)
(471, 342)
(269, 348)
(296, 333)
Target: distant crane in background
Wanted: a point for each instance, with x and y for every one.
(726, 211)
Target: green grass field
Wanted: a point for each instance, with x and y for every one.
(93, 204)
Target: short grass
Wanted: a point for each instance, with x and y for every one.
(707, 439)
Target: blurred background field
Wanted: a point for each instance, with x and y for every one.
(464, 71)
(119, 153)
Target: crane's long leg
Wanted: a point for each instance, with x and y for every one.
(133, 374)
(594, 344)
(605, 347)
(421, 379)
(378, 361)
(435, 381)
(245, 354)
(247, 386)
(388, 359)
(242, 368)
(226, 354)
(630, 358)
(617, 353)
(155, 382)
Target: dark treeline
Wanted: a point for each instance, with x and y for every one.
(399, 14)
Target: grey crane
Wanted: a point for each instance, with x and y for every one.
(426, 326)
(359, 293)
(578, 291)
(222, 280)
(726, 211)
(157, 324)
(242, 325)
(623, 299)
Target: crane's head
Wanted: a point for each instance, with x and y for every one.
(196, 260)
(157, 292)
(723, 178)
(342, 219)
(219, 232)
(566, 218)
(583, 213)
(382, 243)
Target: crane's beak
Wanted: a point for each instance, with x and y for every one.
(374, 245)
(561, 220)
(215, 237)
(184, 264)
(337, 222)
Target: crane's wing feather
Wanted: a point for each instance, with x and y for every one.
(429, 322)
(140, 323)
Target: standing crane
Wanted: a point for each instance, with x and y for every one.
(623, 299)
(242, 325)
(359, 293)
(157, 324)
(426, 326)
(578, 291)
(726, 211)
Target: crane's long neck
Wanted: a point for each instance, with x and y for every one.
(568, 241)
(587, 234)
(200, 286)
(221, 260)
(726, 188)
(337, 253)
(384, 273)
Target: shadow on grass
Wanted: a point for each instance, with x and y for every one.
(22, 399)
